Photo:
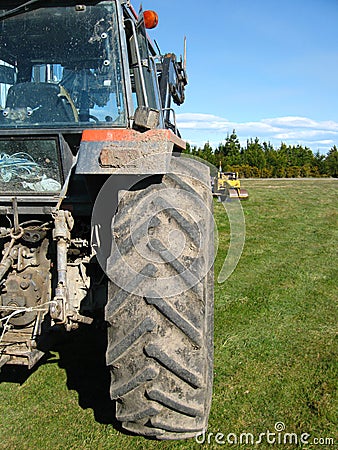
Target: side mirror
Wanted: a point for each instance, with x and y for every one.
(146, 118)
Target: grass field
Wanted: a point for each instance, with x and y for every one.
(275, 341)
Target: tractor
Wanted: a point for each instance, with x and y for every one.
(227, 185)
(99, 211)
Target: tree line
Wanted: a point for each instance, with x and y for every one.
(262, 160)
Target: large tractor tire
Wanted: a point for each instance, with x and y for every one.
(160, 305)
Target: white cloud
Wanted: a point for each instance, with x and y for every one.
(302, 122)
(289, 129)
(201, 121)
(291, 122)
(304, 134)
(325, 142)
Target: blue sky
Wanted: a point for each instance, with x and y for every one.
(267, 68)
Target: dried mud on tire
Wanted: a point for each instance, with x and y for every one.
(160, 305)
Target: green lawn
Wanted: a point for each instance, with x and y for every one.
(275, 341)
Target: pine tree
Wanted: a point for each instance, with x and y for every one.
(331, 162)
(231, 150)
(254, 155)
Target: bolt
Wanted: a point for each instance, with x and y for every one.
(24, 284)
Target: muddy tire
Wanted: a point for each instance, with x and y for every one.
(160, 305)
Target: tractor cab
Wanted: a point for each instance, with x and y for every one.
(74, 66)
(66, 68)
(61, 66)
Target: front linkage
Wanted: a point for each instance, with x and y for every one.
(26, 273)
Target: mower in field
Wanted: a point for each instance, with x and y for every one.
(227, 185)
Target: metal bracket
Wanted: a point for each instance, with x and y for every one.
(62, 310)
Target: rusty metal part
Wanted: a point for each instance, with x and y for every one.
(61, 234)
(24, 296)
(71, 284)
(28, 286)
(18, 347)
(15, 215)
(22, 292)
(127, 151)
(5, 265)
(34, 234)
(10, 254)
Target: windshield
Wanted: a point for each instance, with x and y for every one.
(60, 66)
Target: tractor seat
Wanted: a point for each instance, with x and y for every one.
(39, 103)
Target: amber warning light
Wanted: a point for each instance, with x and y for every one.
(150, 19)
